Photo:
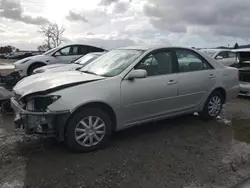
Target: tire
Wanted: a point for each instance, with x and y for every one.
(214, 100)
(6, 108)
(33, 67)
(78, 126)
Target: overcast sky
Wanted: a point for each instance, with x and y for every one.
(115, 23)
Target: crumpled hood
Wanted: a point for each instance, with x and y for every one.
(58, 67)
(47, 81)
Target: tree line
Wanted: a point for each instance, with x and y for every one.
(8, 49)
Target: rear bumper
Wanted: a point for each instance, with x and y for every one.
(21, 69)
(244, 89)
(48, 123)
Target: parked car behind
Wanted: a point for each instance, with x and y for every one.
(224, 56)
(122, 88)
(76, 64)
(244, 70)
(64, 54)
(21, 55)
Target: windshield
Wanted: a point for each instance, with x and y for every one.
(86, 59)
(50, 52)
(112, 63)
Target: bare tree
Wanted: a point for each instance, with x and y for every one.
(42, 48)
(53, 35)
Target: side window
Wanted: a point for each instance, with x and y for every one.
(223, 54)
(189, 61)
(82, 50)
(87, 49)
(74, 50)
(94, 49)
(231, 55)
(64, 51)
(158, 63)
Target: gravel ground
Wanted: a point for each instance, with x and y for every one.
(181, 152)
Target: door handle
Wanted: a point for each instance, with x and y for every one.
(211, 76)
(171, 82)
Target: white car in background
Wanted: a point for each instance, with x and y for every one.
(77, 64)
(224, 56)
(65, 55)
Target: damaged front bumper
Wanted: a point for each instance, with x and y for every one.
(10, 79)
(48, 123)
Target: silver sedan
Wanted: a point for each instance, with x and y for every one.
(122, 88)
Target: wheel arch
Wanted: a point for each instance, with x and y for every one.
(222, 91)
(102, 105)
(34, 64)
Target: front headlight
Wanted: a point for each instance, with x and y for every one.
(40, 103)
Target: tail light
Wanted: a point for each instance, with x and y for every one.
(238, 75)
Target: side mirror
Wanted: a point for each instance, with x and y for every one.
(139, 73)
(219, 57)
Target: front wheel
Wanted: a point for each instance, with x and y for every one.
(213, 106)
(88, 130)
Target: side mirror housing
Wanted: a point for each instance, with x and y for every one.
(219, 57)
(135, 74)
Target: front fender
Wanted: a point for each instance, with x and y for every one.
(106, 91)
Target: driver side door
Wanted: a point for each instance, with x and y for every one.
(154, 96)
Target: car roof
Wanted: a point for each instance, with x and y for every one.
(242, 50)
(77, 44)
(151, 47)
(215, 49)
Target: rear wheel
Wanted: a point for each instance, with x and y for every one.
(88, 130)
(213, 106)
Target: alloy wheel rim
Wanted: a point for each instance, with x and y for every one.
(214, 106)
(90, 131)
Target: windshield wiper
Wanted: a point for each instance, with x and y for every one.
(89, 72)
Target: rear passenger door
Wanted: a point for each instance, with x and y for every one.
(196, 78)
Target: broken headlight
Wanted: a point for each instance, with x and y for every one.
(40, 103)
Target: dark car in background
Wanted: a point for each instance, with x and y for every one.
(243, 64)
(20, 56)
